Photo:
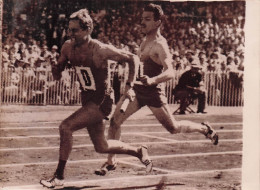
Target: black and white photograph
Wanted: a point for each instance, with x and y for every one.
(129, 95)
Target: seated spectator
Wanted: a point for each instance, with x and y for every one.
(45, 58)
(54, 53)
(214, 63)
(231, 65)
(5, 56)
(23, 52)
(192, 82)
(235, 72)
(178, 64)
(203, 61)
(13, 56)
(32, 56)
(45, 54)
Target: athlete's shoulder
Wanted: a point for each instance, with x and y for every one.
(66, 46)
(67, 42)
(161, 46)
(106, 49)
(100, 45)
(161, 41)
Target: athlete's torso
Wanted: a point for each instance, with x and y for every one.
(91, 68)
(151, 64)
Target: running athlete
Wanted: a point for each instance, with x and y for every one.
(157, 68)
(89, 58)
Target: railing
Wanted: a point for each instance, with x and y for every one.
(37, 87)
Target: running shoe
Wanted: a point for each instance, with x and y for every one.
(145, 159)
(105, 168)
(211, 133)
(53, 182)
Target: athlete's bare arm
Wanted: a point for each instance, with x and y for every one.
(161, 55)
(119, 55)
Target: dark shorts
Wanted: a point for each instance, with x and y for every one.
(150, 96)
(104, 101)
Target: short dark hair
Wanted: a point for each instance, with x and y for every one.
(156, 9)
(85, 21)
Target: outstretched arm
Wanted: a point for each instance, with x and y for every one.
(118, 55)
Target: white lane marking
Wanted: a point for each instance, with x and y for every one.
(86, 135)
(142, 166)
(126, 158)
(136, 143)
(156, 137)
(124, 125)
(155, 178)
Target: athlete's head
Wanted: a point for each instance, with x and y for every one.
(151, 18)
(80, 24)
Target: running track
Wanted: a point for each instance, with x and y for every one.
(29, 150)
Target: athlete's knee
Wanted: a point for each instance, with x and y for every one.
(182, 127)
(115, 123)
(170, 127)
(101, 148)
(65, 127)
(177, 127)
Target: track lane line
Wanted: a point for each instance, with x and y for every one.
(126, 158)
(93, 182)
(86, 135)
(136, 143)
(124, 125)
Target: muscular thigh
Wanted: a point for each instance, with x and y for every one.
(87, 116)
(164, 116)
(132, 107)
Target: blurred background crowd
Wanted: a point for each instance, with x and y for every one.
(209, 33)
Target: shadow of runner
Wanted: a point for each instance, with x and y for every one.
(160, 186)
(77, 188)
(156, 186)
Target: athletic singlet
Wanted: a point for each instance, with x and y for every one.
(151, 69)
(93, 80)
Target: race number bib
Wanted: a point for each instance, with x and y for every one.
(140, 73)
(86, 78)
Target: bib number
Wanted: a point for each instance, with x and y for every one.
(86, 78)
(140, 73)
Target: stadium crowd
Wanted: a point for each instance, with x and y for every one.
(209, 33)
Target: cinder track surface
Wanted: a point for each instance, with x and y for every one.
(29, 145)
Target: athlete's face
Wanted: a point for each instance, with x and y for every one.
(148, 24)
(76, 32)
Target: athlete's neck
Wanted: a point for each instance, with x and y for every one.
(86, 39)
(153, 34)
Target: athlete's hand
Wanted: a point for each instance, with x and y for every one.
(147, 81)
(129, 93)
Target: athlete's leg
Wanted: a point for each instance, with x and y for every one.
(114, 131)
(78, 120)
(102, 145)
(165, 117)
(83, 117)
(91, 117)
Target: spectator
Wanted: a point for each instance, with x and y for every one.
(54, 54)
(214, 64)
(32, 56)
(192, 82)
(5, 56)
(203, 62)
